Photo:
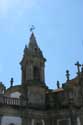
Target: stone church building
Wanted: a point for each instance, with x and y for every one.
(33, 103)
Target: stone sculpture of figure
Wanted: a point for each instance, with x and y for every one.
(58, 84)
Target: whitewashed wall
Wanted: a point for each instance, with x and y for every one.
(15, 94)
(7, 120)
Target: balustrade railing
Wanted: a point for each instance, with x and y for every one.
(12, 101)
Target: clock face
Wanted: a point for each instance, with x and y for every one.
(36, 96)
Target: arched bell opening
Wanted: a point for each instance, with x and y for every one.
(36, 73)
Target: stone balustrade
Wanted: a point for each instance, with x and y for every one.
(12, 101)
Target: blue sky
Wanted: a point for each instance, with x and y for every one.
(59, 32)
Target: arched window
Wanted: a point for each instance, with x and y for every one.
(38, 122)
(36, 73)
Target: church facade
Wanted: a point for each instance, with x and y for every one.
(33, 103)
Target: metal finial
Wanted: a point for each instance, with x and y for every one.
(11, 82)
(67, 75)
(58, 84)
(32, 28)
(78, 67)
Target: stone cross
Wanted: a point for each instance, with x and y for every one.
(32, 28)
(67, 75)
(11, 82)
(78, 67)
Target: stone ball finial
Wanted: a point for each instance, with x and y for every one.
(11, 82)
(67, 75)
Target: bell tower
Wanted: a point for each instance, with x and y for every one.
(33, 80)
(33, 63)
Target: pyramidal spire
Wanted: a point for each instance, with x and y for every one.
(32, 50)
(33, 43)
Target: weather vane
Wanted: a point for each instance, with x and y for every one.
(32, 28)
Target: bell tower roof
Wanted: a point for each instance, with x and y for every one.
(33, 62)
(33, 43)
(32, 50)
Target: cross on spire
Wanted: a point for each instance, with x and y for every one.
(78, 67)
(32, 28)
(67, 75)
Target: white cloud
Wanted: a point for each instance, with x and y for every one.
(3, 6)
(7, 5)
